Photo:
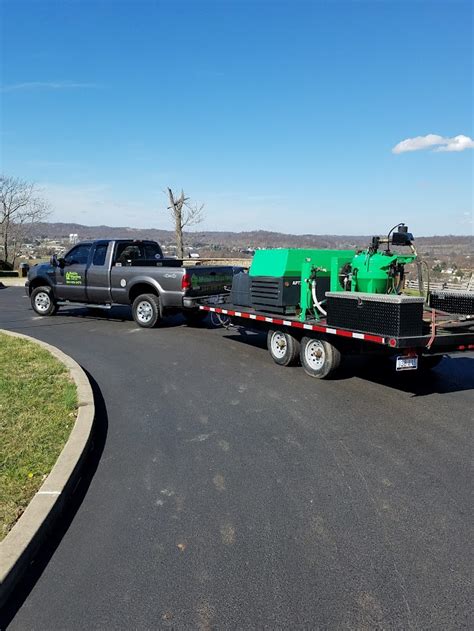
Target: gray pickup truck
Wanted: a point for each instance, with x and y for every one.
(126, 272)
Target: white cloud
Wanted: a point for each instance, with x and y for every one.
(441, 143)
(458, 143)
(45, 85)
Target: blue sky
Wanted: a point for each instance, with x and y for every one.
(278, 115)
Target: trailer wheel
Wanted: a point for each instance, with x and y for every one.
(43, 302)
(318, 357)
(146, 310)
(283, 347)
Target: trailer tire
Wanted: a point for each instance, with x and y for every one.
(283, 347)
(318, 357)
(43, 301)
(146, 310)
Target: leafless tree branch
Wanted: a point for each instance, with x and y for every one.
(21, 206)
(184, 213)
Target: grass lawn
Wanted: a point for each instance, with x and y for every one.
(38, 406)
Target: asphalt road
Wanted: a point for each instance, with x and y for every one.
(232, 492)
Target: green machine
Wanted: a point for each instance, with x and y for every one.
(295, 281)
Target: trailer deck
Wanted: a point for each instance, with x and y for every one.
(444, 340)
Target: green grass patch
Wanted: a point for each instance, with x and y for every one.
(412, 292)
(38, 408)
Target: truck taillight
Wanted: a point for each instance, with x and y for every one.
(186, 282)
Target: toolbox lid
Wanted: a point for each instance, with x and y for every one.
(366, 297)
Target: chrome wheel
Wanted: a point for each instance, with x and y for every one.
(144, 312)
(42, 302)
(278, 345)
(315, 354)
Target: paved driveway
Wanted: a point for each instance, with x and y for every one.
(235, 493)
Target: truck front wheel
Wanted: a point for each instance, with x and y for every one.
(283, 347)
(146, 310)
(43, 302)
(318, 357)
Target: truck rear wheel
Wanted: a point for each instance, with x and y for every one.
(146, 310)
(318, 357)
(283, 347)
(43, 302)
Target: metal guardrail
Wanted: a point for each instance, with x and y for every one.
(466, 286)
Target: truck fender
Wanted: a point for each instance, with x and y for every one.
(144, 281)
(40, 281)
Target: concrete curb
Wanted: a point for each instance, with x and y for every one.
(12, 282)
(21, 543)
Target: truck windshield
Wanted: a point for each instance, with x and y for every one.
(128, 252)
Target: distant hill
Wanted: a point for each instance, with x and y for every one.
(228, 240)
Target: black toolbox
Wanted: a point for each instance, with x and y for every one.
(460, 302)
(382, 314)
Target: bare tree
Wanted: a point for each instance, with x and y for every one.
(184, 213)
(20, 206)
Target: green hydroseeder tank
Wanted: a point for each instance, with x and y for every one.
(295, 281)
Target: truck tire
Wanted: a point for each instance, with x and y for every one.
(283, 347)
(146, 310)
(318, 357)
(195, 317)
(43, 301)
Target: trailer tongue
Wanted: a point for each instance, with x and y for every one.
(319, 304)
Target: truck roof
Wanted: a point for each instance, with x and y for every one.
(124, 240)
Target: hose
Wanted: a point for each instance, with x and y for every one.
(218, 320)
(316, 302)
(427, 280)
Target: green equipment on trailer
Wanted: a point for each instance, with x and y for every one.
(279, 279)
(295, 281)
(318, 305)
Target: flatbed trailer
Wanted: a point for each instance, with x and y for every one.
(320, 347)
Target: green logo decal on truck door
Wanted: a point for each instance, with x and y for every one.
(73, 278)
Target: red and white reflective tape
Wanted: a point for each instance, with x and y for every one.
(298, 325)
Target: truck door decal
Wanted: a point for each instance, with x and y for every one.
(73, 278)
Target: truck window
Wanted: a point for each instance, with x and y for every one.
(127, 252)
(100, 253)
(78, 255)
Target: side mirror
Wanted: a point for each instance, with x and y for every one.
(54, 261)
(62, 263)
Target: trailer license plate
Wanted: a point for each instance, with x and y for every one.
(405, 362)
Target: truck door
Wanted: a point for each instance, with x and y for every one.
(98, 285)
(71, 279)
